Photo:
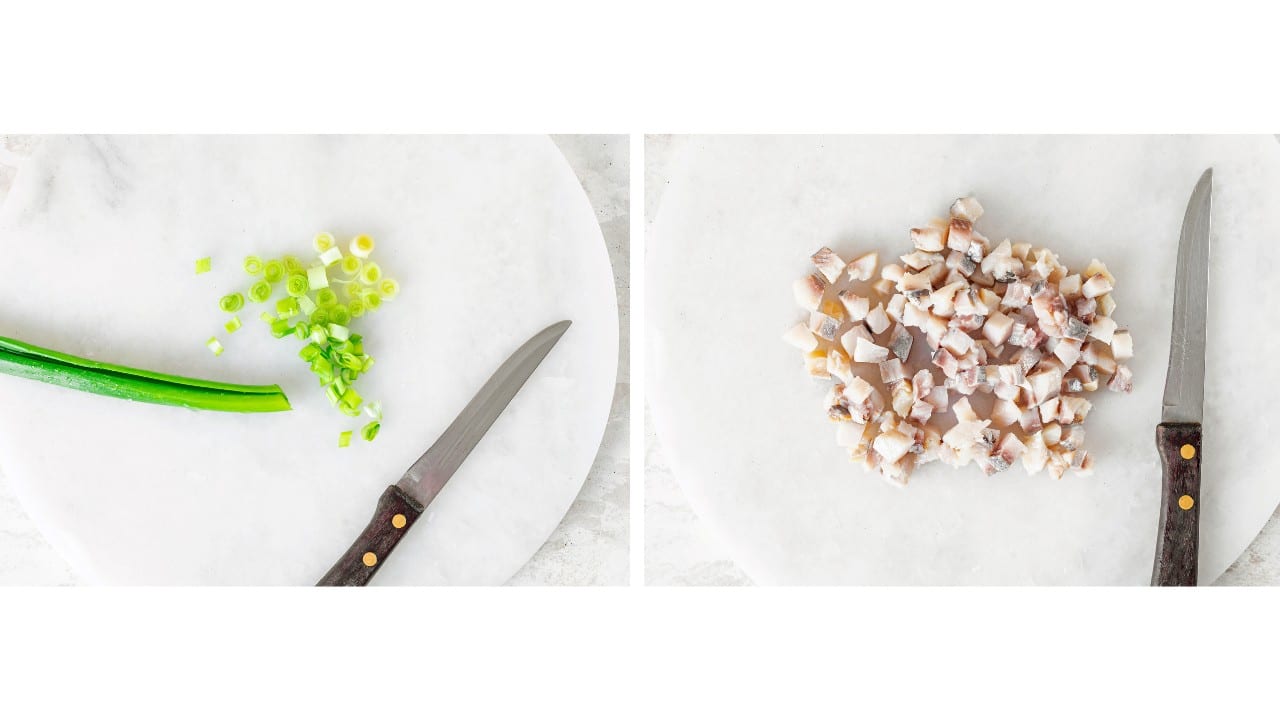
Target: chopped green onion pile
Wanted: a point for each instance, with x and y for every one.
(36, 363)
(311, 310)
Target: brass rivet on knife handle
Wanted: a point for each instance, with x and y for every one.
(395, 514)
(1187, 452)
(1186, 502)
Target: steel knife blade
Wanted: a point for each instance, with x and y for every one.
(403, 503)
(1178, 436)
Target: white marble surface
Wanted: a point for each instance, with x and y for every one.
(589, 547)
(679, 548)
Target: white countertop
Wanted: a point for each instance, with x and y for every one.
(590, 547)
(681, 550)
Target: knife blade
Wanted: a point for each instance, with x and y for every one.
(1179, 433)
(403, 503)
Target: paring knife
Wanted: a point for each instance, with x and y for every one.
(1178, 434)
(403, 503)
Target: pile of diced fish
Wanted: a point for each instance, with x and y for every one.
(1005, 325)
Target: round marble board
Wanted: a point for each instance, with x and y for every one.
(743, 423)
(491, 238)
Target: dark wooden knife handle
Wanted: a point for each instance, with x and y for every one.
(395, 514)
(1178, 542)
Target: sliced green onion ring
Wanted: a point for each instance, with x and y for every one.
(339, 314)
(214, 346)
(204, 265)
(371, 273)
(370, 431)
(253, 265)
(296, 286)
(350, 266)
(260, 291)
(344, 438)
(388, 289)
(326, 297)
(361, 246)
(322, 242)
(293, 264)
(273, 271)
(231, 303)
(233, 324)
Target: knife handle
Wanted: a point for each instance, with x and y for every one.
(1178, 542)
(395, 514)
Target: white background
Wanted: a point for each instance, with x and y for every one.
(652, 68)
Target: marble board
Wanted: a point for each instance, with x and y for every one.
(742, 423)
(491, 239)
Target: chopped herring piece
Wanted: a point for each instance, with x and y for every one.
(1122, 345)
(1052, 433)
(1004, 413)
(1121, 381)
(854, 304)
(1097, 267)
(869, 352)
(1045, 385)
(1035, 454)
(891, 371)
(892, 273)
(1096, 286)
(946, 362)
(957, 342)
(839, 413)
(1103, 328)
(809, 290)
(966, 208)
(800, 336)
(824, 326)
(964, 411)
(850, 434)
(1067, 350)
(1016, 295)
(838, 364)
(997, 328)
(1070, 286)
(816, 364)
(900, 342)
(877, 321)
(849, 341)
(929, 239)
(1106, 305)
(920, 260)
(1086, 309)
(828, 263)
(895, 307)
(959, 234)
(863, 267)
(858, 390)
